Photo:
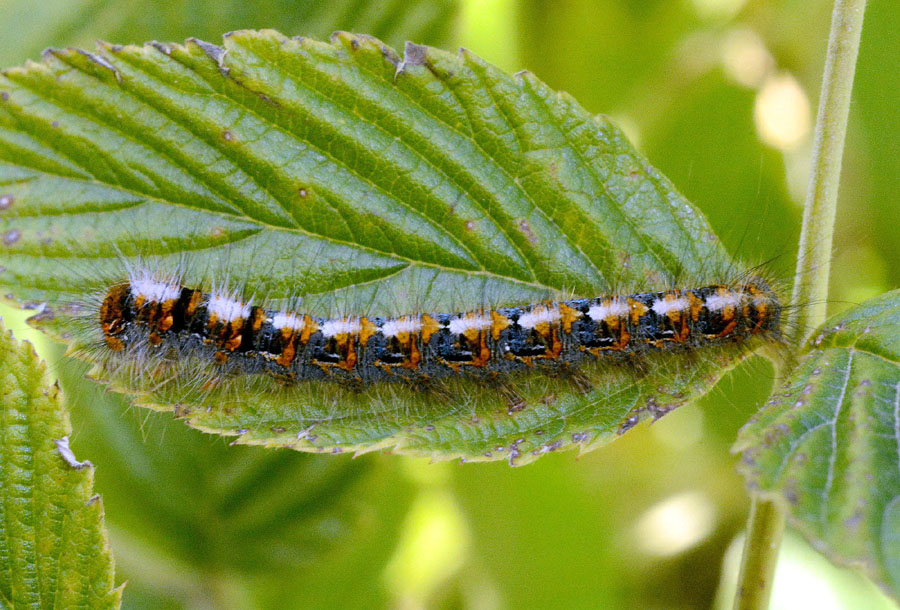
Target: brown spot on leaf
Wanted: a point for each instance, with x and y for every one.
(227, 135)
(303, 193)
(215, 53)
(415, 54)
(390, 55)
(161, 47)
(525, 228)
(629, 423)
(854, 520)
(11, 237)
(6, 201)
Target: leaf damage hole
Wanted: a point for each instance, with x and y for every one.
(65, 452)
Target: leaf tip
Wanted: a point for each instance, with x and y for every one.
(470, 57)
(524, 75)
(344, 37)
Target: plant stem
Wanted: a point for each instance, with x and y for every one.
(767, 514)
(814, 256)
(760, 553)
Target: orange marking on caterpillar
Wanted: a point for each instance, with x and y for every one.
(429, 327)
(415, 356)
(191, 308)
(637, 310)
(288, 349)
(366, 330)
(568, 316)
(499, 323)
(696, 304)
(309, 327)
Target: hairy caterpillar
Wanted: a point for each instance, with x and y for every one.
(407, 362)
(152, 313)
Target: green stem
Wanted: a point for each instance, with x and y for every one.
(760, 554)
(814, 257)
(811, 280)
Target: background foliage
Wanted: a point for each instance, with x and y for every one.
(720, 95)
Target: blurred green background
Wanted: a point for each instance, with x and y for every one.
(721, 96)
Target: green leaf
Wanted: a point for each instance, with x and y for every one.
(829, 441)
(53, 548)
(359, 179)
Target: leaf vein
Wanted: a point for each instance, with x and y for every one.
(487, 158)
(341, 164)
(832, 458)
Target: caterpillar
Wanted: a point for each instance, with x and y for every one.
(151, 312)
